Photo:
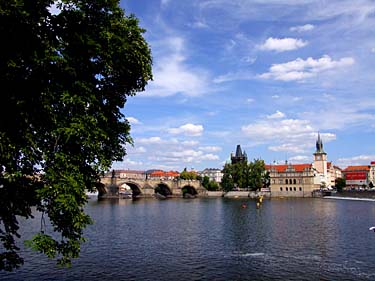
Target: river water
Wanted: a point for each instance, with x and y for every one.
(217, 239)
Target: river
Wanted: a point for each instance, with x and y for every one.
(217, 239)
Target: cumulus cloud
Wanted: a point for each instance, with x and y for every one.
(151, 140)
(188, 130)
(172, 74)
(302, 28)
(289, 135)
(300, 69)
(278, 114)
(282, 44)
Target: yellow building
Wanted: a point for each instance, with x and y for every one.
(300, 180)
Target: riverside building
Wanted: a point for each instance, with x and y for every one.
(300, 180)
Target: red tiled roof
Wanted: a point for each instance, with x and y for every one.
(282, 168)
(357, 168)
(164, 174)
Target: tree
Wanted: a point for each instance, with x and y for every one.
(340, 183)
(227, 182)
(205, 182)
(210, 185)
(65, 76)
(186, 175)
(245, 175)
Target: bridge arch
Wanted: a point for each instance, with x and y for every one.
(135, 188)
(101, 188)
(163, 189)
(189, 191)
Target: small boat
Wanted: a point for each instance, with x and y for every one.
(372, 228)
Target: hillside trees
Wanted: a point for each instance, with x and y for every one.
(65, 76)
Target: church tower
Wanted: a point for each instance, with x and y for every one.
(239, 156)
(320, 158)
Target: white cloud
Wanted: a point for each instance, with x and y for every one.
(355, 160)
(278, 114)
(133, 120)
(300, 159)
(289, 135)
(300, 69)
(188, 130)
(231, 76)
(171, 73)
(283, 44)
(266, 130)
(200, 24)
(190, 143)
(302, 28)
(151, 140)
(290, 147)
(210, 148)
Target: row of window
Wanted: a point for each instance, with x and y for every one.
(291, 189)
(288, 181)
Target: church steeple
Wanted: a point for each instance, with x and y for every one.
(319, 145)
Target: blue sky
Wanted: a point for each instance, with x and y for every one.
(265, 74)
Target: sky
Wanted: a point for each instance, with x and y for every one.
(265, 74)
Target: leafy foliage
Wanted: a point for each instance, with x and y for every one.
(245, 176)
(65, 76)
(340, 183)
(186, 175)
(209, 184)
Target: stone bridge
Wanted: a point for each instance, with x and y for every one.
(113, 187)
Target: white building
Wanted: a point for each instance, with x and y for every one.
(213, 174)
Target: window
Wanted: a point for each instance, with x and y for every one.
(286, 188)
(294, 181)
(300, 189)
(281, 189)
(286, 181)
(294, 189)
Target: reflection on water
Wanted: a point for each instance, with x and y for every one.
(216, 239)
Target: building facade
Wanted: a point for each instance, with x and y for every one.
(291, 180)
(301, 180)
(357, 176)
(213, 174)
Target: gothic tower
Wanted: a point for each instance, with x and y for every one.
(320, 158)
(239, 156)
